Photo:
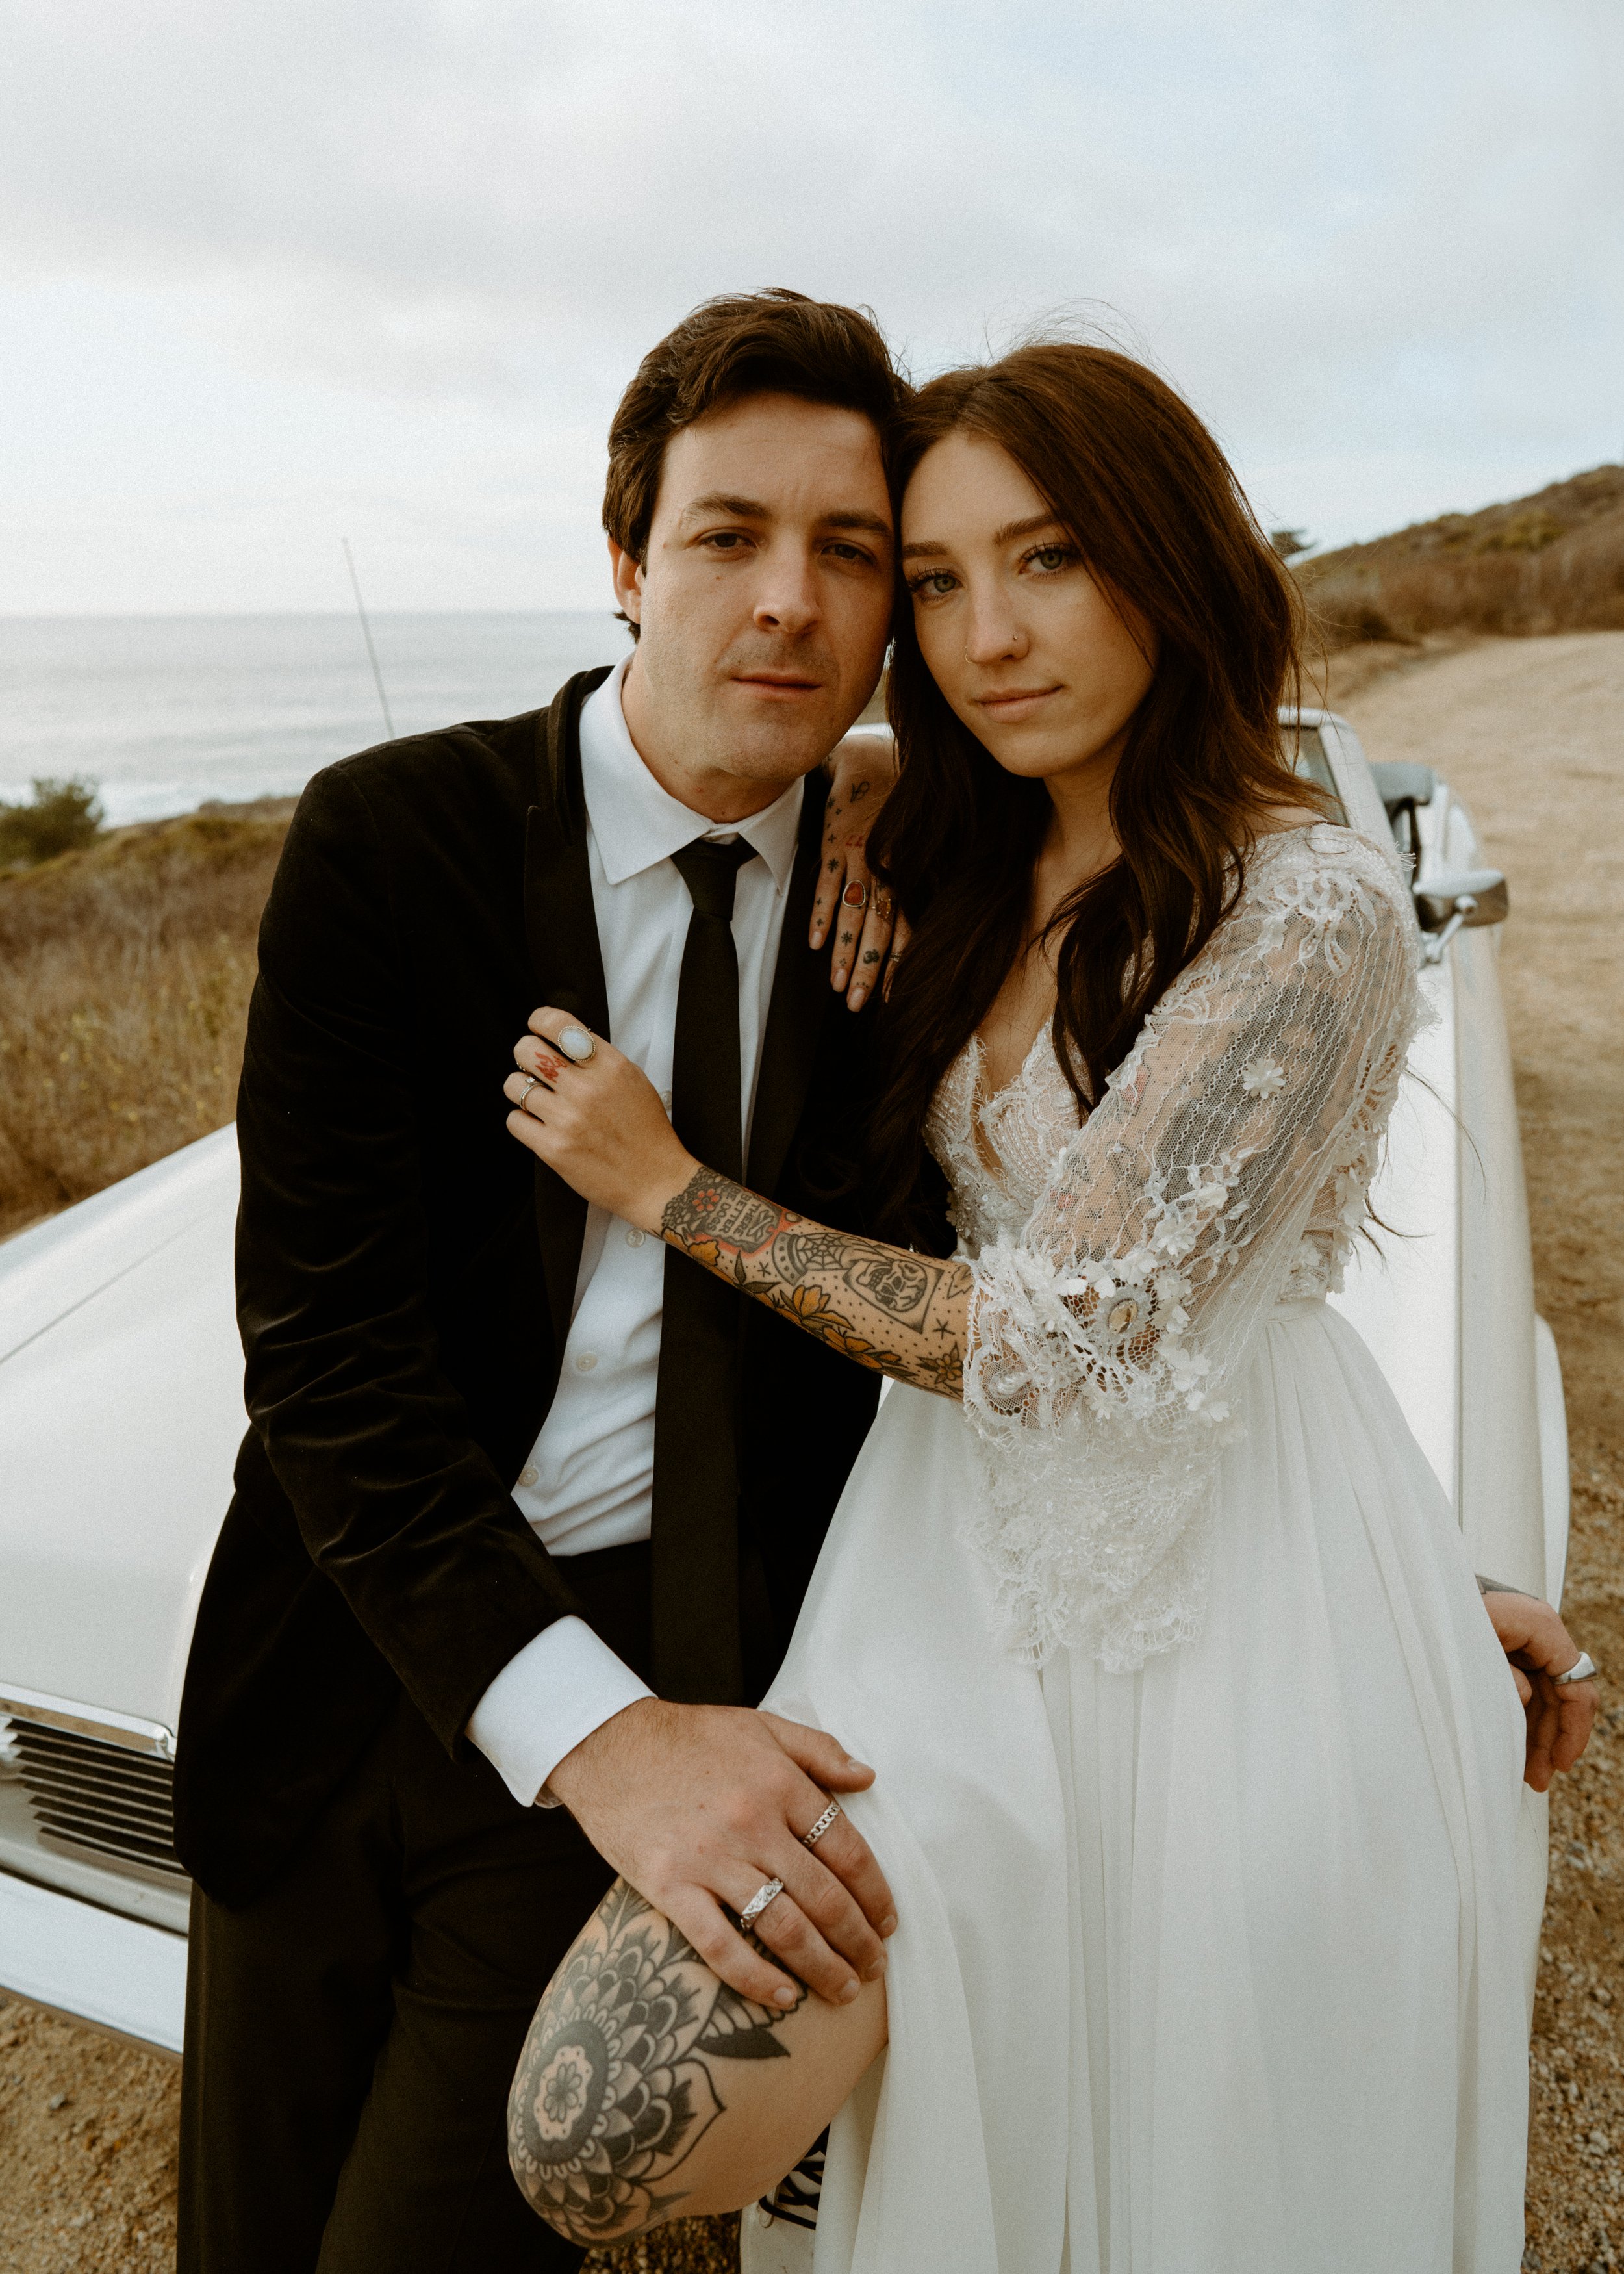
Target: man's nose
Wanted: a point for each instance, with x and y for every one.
(788, 600)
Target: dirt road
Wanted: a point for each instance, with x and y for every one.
(1532, 732)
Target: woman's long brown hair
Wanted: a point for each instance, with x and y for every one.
(1148, 496)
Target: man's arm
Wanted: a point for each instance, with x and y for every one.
(397, 1504)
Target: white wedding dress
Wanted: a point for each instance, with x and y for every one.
(1198, 1764)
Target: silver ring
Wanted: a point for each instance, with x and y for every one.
(532, 1082)
(810, 1839)
(1585, 1668)
(577, 1045)
(767, 1893)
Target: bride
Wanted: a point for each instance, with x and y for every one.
(1198, 1766)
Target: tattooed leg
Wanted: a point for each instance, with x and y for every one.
(902, 1314)
(649, 2090)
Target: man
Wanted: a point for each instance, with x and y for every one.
(527, 1509)
(524, 1515)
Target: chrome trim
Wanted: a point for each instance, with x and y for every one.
(136, 1737)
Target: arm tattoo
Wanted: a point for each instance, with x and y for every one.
(903, 1315)
(617, 2081)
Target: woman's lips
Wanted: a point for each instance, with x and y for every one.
(1016, 702)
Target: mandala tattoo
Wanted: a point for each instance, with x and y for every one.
(616, 2084)
(901, 1313)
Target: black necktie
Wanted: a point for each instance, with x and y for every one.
(695, 1515)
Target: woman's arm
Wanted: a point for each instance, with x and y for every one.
(602, 1127)
(903, 1315)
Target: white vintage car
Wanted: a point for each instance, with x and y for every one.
(121, 1408)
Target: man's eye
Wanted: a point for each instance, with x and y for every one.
(726, 540)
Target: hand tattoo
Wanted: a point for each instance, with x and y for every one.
(901, 1313)
(616, 2083)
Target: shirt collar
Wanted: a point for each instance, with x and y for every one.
(637, 823)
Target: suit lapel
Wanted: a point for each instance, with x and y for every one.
(566, 963)
(800, 1003)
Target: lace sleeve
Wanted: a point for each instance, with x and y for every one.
(1103, 1346)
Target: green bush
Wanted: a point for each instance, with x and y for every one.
(61, 817)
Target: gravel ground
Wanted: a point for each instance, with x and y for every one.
(1530, 730)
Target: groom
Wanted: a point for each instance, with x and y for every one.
(522, 1517)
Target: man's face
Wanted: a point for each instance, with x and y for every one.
(765, 604)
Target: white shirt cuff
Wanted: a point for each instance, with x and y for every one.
(563, 1684)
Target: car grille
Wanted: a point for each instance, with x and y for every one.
(90, 1796)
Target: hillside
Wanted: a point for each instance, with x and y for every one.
(1550, 562)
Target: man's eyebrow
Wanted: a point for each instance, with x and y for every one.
(740, 508)
(1011, 531)
(744, 509)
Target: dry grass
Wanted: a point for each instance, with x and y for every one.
(1547, 563)
(124, 978)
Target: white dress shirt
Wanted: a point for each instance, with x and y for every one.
(589, 1482)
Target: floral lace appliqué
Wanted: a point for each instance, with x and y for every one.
(1124, 1268)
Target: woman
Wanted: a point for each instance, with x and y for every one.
(1197, 1763)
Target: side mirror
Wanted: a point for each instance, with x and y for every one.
(1460, 899)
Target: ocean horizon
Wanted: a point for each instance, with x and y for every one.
(164, 713)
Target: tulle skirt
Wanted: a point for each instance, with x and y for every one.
(1218, 1966)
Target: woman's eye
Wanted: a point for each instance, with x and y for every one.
(934, 587)
(1049, 558)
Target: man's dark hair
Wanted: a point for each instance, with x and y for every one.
(775, 342)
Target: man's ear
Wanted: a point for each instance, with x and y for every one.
(628, 577)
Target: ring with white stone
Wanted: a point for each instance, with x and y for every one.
(810, 1839)
(532, 1082)
(767, 1893)
(1585, 1668)
(577, 1043)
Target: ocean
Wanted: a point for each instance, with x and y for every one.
(163, 713)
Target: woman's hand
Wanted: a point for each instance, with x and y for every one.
(862, 770)
(599, 1123)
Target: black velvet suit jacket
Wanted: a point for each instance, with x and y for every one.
(405, 1273)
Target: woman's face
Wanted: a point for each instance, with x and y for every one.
(1035, 658)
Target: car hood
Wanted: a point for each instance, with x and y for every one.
(121, 1407)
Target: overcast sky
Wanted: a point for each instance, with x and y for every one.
(281, 271)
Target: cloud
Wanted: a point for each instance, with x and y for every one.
(1338, 227)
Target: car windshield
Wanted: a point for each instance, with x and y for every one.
(1312, 761)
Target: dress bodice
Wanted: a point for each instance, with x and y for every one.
(998, 1177)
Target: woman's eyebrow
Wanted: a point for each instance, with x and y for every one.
(1007, 535)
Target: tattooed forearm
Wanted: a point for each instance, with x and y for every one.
(617, 2083)
(901, 1313)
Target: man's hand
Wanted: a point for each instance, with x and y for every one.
(698, 1806)
(1559, 1715)
(862, 770)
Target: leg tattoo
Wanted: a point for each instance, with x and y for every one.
(616, 2084)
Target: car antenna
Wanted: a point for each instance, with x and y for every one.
(366, 632)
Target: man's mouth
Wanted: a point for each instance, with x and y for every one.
(788, 683)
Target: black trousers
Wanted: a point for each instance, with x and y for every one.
(352, 2032)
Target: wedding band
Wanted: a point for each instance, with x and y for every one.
(767, 1893)
(810, 1839)
(1585, 1668)
(532, 1082)
(861, 892)
(577, 1043)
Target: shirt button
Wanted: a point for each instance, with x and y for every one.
(528, 1476)
(635, 1238)
(664, 1097)
(586, 1361)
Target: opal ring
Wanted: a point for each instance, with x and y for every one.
(576, 1044)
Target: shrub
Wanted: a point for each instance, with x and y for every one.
(61, 817)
